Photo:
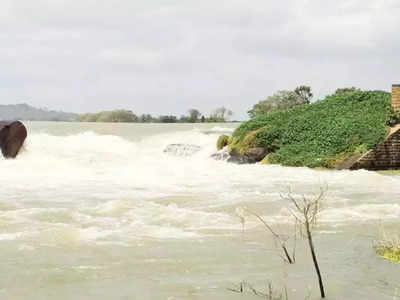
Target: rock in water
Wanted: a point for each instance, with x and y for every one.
(181, 149)
(222, 154)
(12, 137)
(252, 156)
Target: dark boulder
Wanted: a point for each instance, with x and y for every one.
(251, 156)
(12, 137)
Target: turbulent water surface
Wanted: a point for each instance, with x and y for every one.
(99, 211)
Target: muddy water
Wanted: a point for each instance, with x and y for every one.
(99, 211)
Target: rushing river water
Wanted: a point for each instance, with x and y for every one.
(98, 211)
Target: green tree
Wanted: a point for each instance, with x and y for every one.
(109, 116)
(122, 116)
(304, 92)
(146, 118)
(280, 100)
(221, 114)
(347, 89)
(184, 119)
(168, 119)
(194, 115)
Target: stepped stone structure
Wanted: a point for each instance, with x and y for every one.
(386, 156)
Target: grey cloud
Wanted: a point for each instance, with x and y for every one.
(169, 56)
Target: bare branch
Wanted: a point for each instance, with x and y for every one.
(307, 211)
(278, 238)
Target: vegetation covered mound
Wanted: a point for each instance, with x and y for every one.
(321, 134)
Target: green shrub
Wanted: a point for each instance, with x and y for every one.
(222, 141)
(388, 246)
(323, 133)
(389, 253)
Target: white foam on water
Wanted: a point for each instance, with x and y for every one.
(340, 216)
(89, 187)
(360, 213)
(9, 236)
(221, 129)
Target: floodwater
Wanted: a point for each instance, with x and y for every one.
(99, 211)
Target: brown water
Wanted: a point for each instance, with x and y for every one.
(98, 211)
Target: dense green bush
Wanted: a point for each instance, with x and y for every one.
(321, 134)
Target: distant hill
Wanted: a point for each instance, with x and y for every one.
(29, 113)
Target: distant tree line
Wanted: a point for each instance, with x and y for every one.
(219, 115)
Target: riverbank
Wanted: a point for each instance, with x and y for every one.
(323, 134)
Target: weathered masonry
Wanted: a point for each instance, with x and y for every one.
(386, 156)
(396, 96)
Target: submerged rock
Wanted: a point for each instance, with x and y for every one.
(222, 154)
(253, 155)
(181, 149)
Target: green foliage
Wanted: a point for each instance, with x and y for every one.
(118, 116)
(388, 246)
(168, 119)
(222, 141)
(249, 141)
(347, 89)
(194, 115)
(282, 100)
(146, 118)
(305, 93)
(323, 133)
(390, 253)
(220, 115)
(394, 117)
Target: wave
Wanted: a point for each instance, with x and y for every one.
(89, 187)
(222, 129)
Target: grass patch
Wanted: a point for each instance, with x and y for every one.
(388, 246)
(222, 141)
(322, 134)
(389, 172)
(392, 254)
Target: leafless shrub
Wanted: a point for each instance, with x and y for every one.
(270, 294)
(306, 211)
(281, 239)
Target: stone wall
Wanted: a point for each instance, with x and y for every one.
(386, 156)
(396, 96)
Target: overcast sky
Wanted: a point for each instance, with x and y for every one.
(164, 57)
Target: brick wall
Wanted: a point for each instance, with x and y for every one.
(396, 96)
(386, 156)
